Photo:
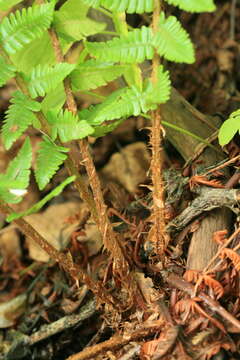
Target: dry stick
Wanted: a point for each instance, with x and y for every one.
(64, 259)
(117, 341)
(110, 240)
(158, 235)
(179, 283)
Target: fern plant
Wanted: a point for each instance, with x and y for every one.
(42, 76)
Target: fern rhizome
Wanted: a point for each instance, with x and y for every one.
(34, 46)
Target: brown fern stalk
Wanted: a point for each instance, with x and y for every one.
(158, 234)
(110, 239)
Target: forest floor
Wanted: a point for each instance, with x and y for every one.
(179, 312)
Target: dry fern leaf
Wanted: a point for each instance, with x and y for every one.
(233, 256)
(201, 179)
(213, 284)
(192, 275)
(220, 236)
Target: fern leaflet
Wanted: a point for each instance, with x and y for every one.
(49, 159)
(17, 175)
(67, 126)
(129, 6)
(6, 71)
(193, 5)
(92, 74)
(45, 78)
(21, 28)
(160, 92)
(72, 22)
(127, 101)
(37, 207)
(135, 47)
(172, 41)
(18, 117)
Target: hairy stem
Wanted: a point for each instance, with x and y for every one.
(157, 235)
(110, 239)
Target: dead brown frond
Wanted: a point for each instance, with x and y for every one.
(201, 179)
(233, 256)
(190, 306)
(157, 348)
(212, 284)
(192, 275)
(220, 236)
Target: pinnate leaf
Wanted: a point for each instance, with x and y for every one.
(172, 41)
(19, 116)
(129, 6)
(16, 177)
(45, 78)
(6, 71)
(23, 26)
(135, 47)
(194, 5)
(50, 158)
(67, 126)
(92, 74)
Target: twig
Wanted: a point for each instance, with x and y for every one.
(208, 200)
(226, 163)
(117, 341)
(64, 323)
(179, 283)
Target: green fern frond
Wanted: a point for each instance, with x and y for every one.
(108, 127)
(50, 158)
(45, 78)
(135, 47)
(229, 128)
(194, 5)
(72, 22)
(67, 126)
(92, 74)
(38, 206)
(21, 28)
(121, 103)
(172, 41)
(18, 117)
(16, 177)
(129, 6)
(6, 71)
(160, 92)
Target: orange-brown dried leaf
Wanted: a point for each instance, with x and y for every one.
(213, 284)
(201, 179)
(157, 348)
(220, 236)
(233, 256)
(192, 275)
